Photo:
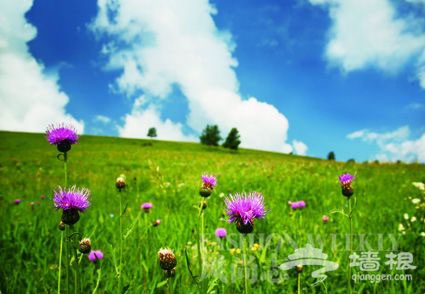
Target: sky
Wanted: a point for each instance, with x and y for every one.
(300, 76)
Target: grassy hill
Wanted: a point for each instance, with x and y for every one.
(168, 175)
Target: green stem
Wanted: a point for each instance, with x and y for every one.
(299, 282)
(120, 254)
(99, 272)
(60, 263)
(65, 168)
(350, 217)
(200, 244)
(244, 261)
(170, 285)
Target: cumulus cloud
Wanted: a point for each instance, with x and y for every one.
(30, 99)
(369, 33)
(394, 145)
(299, 147)
(162, 44)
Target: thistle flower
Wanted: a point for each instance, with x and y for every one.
(85, 246)
(95, 255)
(298, 204)
(208, 184)
(221, 232)
(346, 181)
(71, 201)
(62, 135)
(120, 182)
(325, 219)
(17, 201)
(244, 209)
(146, 206)
(167, 259)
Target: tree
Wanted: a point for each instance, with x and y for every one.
(210, 135)
(152, 132)
(331, 155)
(232, 140)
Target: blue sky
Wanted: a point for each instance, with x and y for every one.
(301, 76)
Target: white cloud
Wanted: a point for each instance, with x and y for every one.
(102, 119)
(415, 106)
(394, 145)
(369, 33)
(163, 44)
(299, 147)
(138, 122)
(30, 99)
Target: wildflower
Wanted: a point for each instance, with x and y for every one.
(413, 219)
(156, 223)
(416, 201)
(325, 219)
(167, 259)
(422, 234)
(85, 246)
(17, 201)
(255, 247)
(62, 135)
(297, 204)
(401, 227)
(299, 268)
(234, 251)
(221, 232)
(244, 209)
(95, 255)
(146, 206)
(208, 184)
(120, 182)
(61, 226)
(419, 185)
(406, 216)
(346, 181)
(71, 201)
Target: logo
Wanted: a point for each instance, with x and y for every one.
(311, 256)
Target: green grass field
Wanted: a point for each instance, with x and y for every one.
(168, 175)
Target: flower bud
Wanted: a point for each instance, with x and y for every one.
(64, 146)
(167, 259)
(156, 223)
(205, 192)
(61, 226)
(325, 219)
(120, 182)
(244, 228)
(70, 216)
(299, 268)
(85, 246)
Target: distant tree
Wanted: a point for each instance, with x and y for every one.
(331, 155)
(351, 160)
(210, 135)
(232, 140)
(152, 132)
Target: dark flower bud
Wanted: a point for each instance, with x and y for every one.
(70, 216)
(170, 273)
(64, 146)
(203, 205)
(299, 268)
(61, 226)
(85, 246)
(156, 223)
(205, 192)
(167, 259)
(120, 182)
(244, 228)
(347, 190)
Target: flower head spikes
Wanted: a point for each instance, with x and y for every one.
(346, 181)
(244, 209)
(62, 135)
(95, 255)
(208, 184)
(71, 201)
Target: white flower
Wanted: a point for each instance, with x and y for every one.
(406, 216)
(419, 185)
(413, 219)
(416, 200)
(423, 234)
(401, 227)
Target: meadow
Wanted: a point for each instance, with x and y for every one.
(168, 174)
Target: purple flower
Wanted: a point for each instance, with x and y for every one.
(146, 206)
(95, 255)
(209, 181)
(297, 204)
(346, 179)
(221, 232)
(17, 201)
(72, 198)
(245, 208)
(61, 132)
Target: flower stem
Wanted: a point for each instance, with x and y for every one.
(60, 263)
(120, 253)
(350, 217)
(299, 282)
(201, 244)
(99, 272)
(244, 261)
